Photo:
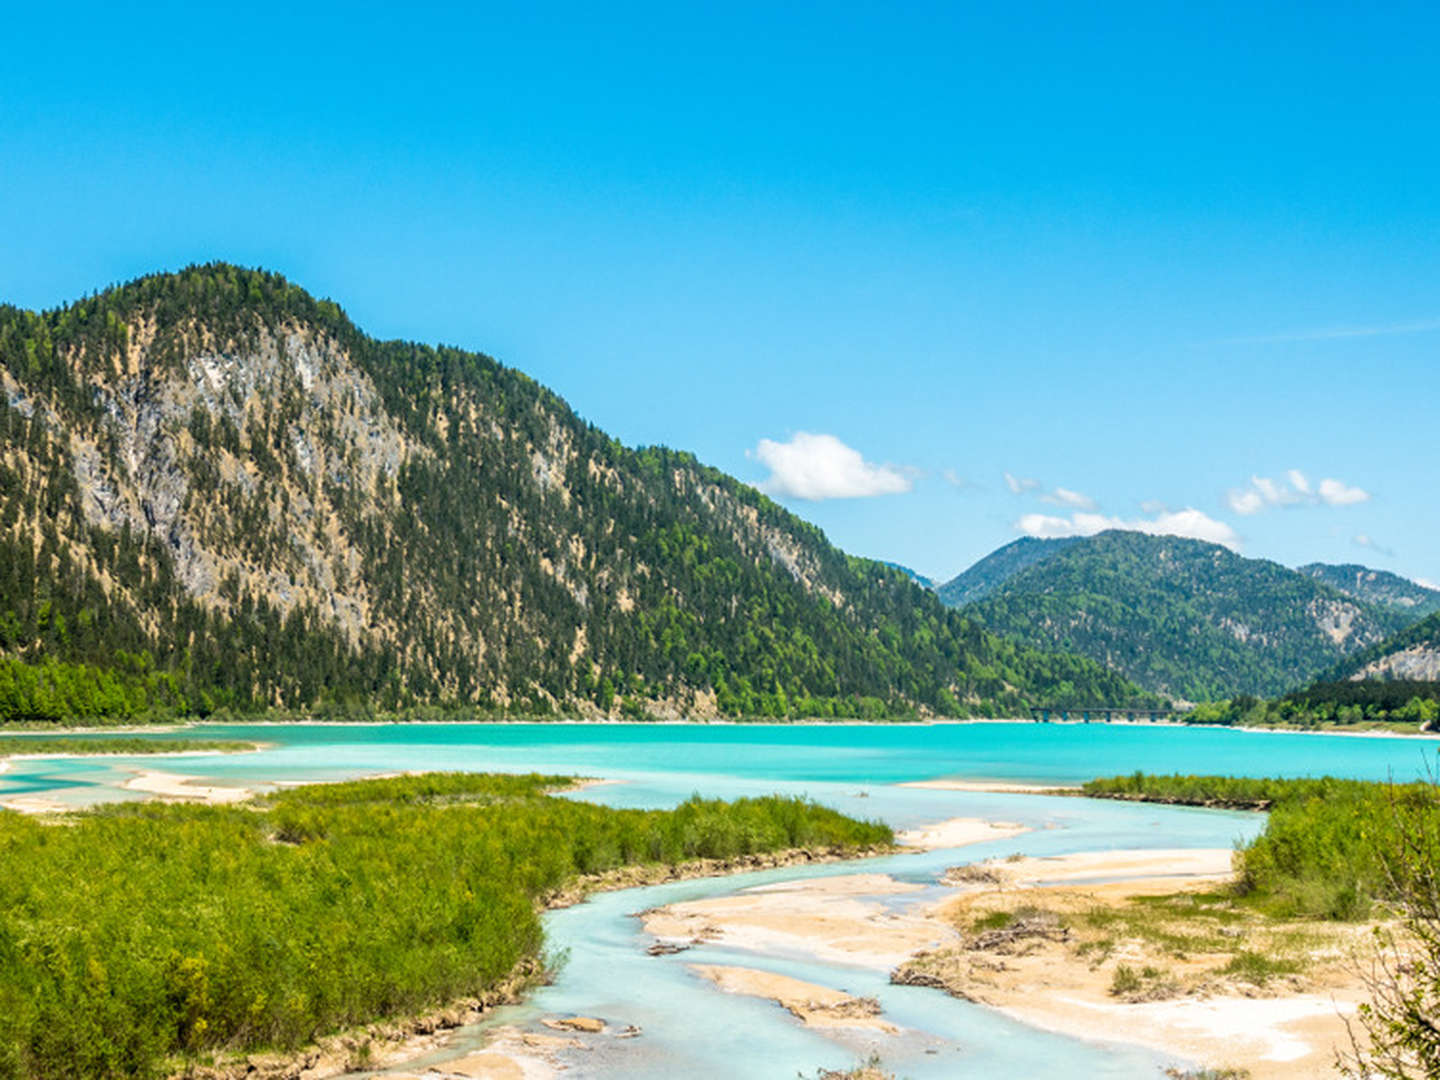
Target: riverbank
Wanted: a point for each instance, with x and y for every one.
(306, 942)
(1163, 959)
(1130, 946)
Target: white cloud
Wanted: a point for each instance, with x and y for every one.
(955, 480)
(1020, 484)
(1060, 496)
(818, 467)
(1364, 540)
(1065, 497)
(1334, 493)
(1191, 523)
(1295, 490)
(1425, 583)
(1246, 502)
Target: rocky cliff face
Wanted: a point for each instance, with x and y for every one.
(1411, 655)
(218, 470)
(1378, 587)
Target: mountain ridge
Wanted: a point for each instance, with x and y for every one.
(217, 486)
(1376, 587)
(1178, 616)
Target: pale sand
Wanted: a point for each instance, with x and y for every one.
(167, 785)
(1279, 1038)
(1286, 1031)
(510, 1054)
(993, 787)
(958, 832)
(824, 918)
(811, 1004)
(1180, 866)
(34, 804)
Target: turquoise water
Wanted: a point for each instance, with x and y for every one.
(863, 754)
(690, 1028)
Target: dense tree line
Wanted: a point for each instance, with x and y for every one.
(1347, 703)
(516, 559)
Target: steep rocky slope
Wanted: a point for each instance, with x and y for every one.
(1379, 587)
(1182, 617)
(1413, 655)
(215, 490)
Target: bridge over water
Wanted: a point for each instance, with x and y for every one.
(1105, 714)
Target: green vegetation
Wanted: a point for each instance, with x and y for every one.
(987, 575)
(1377, 587)
(1385, 660)
(1178, 617)
(1399, 704)
(1328, 849)
(143, 934)
(23, 744)
(509, 558)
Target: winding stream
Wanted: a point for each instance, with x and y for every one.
(689, 1027)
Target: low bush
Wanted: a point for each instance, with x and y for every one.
(143, 933)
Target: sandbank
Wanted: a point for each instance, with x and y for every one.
(1178, 866)
(958, 832)
(828, 918)
(992, 787)
(1061, 973)
(1059, 979)
(813, 1005)
(167, 785)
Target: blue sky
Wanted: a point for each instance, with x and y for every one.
(934, 276)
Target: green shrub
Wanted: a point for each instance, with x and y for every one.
(144, 931)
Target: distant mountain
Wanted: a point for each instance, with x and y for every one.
(919, 578)
(216, 491)
(1377, 587)
(1179, 617)
(1412, 655)
(998, 567)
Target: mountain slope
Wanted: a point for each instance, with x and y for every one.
(1378, 587)
(987, 575)
(1183, 617)
(1413, 655)
(914, 575)
(216, 491)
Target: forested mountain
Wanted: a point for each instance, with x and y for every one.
(998, 567)
(1377, 587)
(1413, 655)
(1182, 617)
(216, 491)
(914, 575)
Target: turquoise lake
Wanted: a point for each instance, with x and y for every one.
(856, 768)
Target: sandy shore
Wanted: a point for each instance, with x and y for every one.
(993, 787)
(813, 1005)
(1177, 867)
(1062, 928)
(958, 832)
(831, 918)
(1059, 962)
(34, 804)
(175, 786)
